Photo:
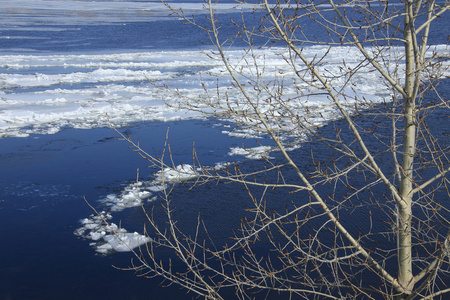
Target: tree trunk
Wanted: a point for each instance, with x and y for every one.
(405, 275)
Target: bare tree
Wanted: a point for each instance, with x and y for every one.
(385, 163)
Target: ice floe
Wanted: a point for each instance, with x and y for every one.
(259, 152)
(105, 235)
(179, 173)
(131, 196)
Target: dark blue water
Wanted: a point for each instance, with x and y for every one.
(169, 34)
(43, 180)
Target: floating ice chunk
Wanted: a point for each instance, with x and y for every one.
(178, 174)
(96, 235)
(93, 226)
(108, 237)
(124, 241)
(103, 249)
(252, 153)
(221, 165)
(156, 188)
(131, 196)
(241, 134)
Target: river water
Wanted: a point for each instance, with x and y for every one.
(68, 69)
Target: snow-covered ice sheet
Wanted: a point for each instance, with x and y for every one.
(42, 93)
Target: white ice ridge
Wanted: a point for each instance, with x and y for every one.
(106, 236)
